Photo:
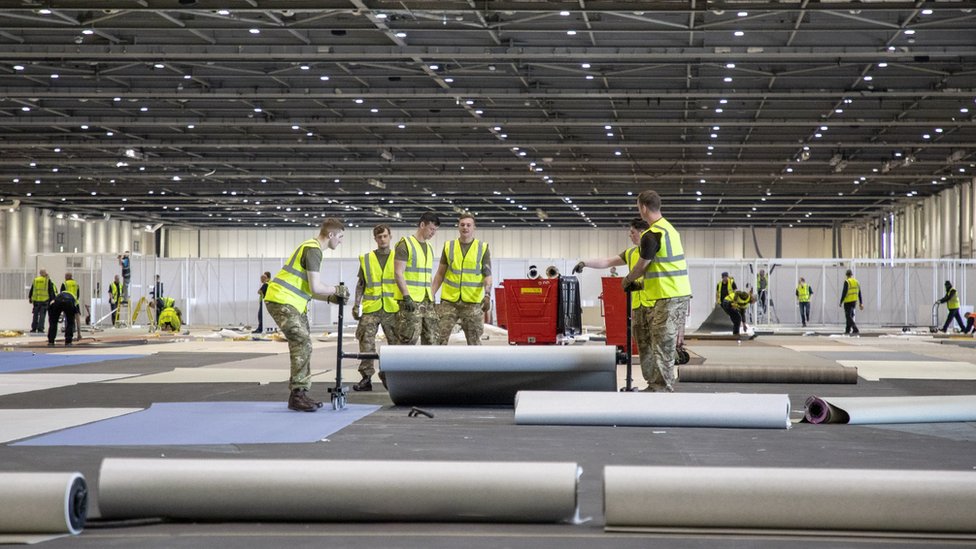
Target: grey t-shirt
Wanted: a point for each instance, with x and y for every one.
(311, 259)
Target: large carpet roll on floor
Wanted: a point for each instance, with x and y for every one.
(42, 503)
(901, 409)
(734, 410)
(337, 491)
(766, 374)
(642, 498)
(491, 375)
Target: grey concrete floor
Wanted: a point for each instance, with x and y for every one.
(490, 434)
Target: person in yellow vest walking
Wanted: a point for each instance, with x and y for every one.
(70, 285)
(413, 266)
(660, 276)
(951, 299)
(375, 290)
(803, 294)
(464, 278)
(850, 297)
(115, 294)
(724, 288)
(629, 257)
(40, 295)
(289, 292)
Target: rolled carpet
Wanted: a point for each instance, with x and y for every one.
(337, 491)
(766, 374)
(880, 410)
(738, 498)
(42, 503)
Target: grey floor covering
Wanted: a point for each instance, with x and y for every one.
(490, 434)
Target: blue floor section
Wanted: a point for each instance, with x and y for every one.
(22, 361)
(189, 423)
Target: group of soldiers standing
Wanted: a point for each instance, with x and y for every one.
(395, 289)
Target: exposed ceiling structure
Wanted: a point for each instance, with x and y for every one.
(247, 113)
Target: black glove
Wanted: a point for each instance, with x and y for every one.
(408, 304)
(355, 312)
(486, 304)
(579, 267)
(633, 286)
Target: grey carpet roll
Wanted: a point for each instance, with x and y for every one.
(337, 491)
(880, 410)
(43, 503)
(637, 498)
(491, 375)
(733, 410)
(766, 374)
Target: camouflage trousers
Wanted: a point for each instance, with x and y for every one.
(419, 325)
(641, 326)
(470, 315)
(369, 324)
(662, 322)
(294, 326)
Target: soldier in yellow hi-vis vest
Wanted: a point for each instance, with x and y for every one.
(803, 293)
(464, 278)
(660, 276)
(375, 289)
(951, 300)
(40, 295)
(287, 299)
(629, 257)
(850, 297)
(70, 285)
(413, 269)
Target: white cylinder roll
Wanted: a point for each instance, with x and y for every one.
(339, 491)
(789, 499)
(492, 375)
(457, 358)
(734, 410)
(898, 409)
(43, 503)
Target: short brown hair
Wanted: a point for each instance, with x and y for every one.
(331, 225)
(380, 229)
(650, 200)
(466, 215)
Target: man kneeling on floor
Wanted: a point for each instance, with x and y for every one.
(64, 302)
(289, 292)
(171, 317)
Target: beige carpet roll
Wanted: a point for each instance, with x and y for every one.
(641, 498)
(42, 503)
(337, 491)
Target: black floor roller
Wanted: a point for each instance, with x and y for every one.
(339, 392)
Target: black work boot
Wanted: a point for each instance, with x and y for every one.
(365, 384)
(300, 402)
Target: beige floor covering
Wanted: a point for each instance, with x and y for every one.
(874, 370)
(23, 423)
(23, 383)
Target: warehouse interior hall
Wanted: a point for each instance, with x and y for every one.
(431, 273)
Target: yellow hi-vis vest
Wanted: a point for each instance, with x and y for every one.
(803, 292)
(740, 304)
(719, 294)
(169, 316)
(116, 289)
(40, 293)
(637, 299)
(953, 302)
(417, 275)
(853, 288)
(71, 286)
(167, 302)
(290, 285)
(463, 279)
(379, 283)
(667, 274)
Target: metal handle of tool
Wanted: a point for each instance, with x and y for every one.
(338, 393)
(630, 344)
